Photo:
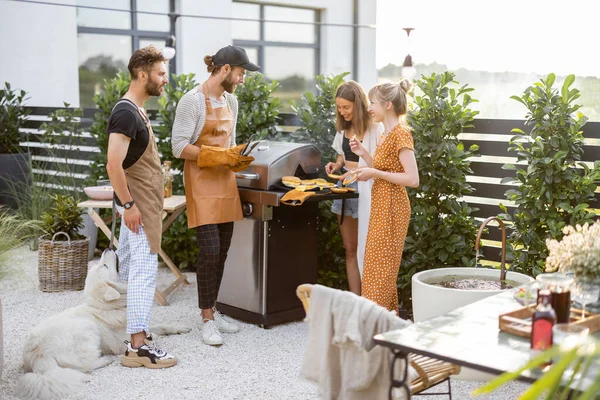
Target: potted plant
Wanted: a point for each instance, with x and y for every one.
(554, 187)
(578, 253)
(14, 163)
(63, 252)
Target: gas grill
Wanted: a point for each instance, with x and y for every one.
(274, 249)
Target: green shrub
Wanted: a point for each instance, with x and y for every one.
(179, 241)
(114, 89)
(64, 129)
(63, 216)
(258, 108)
(555, 188)
(441, 232)
(178, 86)
(12, 116)
(317, 116)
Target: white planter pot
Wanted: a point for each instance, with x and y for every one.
(431, 301)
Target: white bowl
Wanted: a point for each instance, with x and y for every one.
(99, 192)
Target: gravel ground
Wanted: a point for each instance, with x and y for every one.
(253, 364)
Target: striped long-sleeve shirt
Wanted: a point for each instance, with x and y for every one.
(190, 116)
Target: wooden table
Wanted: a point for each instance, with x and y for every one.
(173, 207)
(469, 337)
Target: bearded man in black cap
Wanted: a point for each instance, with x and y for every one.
(204, 136)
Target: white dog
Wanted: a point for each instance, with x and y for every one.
(61, 348)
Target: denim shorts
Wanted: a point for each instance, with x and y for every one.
(350, 205)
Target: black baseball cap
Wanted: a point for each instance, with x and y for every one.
(234, 56)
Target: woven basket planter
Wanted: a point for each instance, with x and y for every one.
(62, 265)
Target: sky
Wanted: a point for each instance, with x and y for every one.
(505, 35)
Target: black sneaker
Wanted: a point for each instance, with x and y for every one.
(147, 355)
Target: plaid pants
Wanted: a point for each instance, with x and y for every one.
(138, 268)
(214, 241)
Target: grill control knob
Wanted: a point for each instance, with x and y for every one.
(247, 209)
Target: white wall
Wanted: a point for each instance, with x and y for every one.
(39, 51)
(198, 37)
(39, 47)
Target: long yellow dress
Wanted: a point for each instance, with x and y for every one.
(388, 225)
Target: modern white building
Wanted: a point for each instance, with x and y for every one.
(63, 51)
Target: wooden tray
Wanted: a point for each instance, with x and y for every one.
(518, 322)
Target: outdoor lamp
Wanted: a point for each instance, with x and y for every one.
(408, 71)
(169, 51)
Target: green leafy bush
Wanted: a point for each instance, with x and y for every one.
(178, 86)
(317, 116)
(114, 89)
(258, 108)
(63, 216)
(441, 232)
(555, 188)
(12, 116)
(179, 241)
(64, 129)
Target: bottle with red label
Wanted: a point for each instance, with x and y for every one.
(542, 322)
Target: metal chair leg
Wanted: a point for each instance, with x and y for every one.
(402, 383)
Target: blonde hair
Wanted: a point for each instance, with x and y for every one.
(361, 118)
(394, 93)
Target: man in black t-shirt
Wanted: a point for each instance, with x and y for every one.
(133, 166)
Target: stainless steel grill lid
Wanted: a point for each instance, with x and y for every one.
(273, 160)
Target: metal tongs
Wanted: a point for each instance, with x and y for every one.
(248, 148)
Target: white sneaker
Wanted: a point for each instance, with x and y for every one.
(210, 333)
(224, 324)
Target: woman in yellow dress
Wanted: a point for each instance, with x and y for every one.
(393, 168)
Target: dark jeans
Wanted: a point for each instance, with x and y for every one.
(214, 241)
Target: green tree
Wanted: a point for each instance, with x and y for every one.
(258, 108)
(13, 114)
(317, 116)
(554, 186)
(442, 231)
(114, 89)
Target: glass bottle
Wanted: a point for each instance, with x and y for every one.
(168, 178)
(542, 322)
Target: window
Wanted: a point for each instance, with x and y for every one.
(287, 51)
(107, 38)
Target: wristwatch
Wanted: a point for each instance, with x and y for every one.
(129, 204)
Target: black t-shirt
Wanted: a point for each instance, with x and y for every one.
(125, 119)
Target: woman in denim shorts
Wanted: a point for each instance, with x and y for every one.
(353, 120)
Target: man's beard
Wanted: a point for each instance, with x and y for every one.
(153, 88)
(228, 84)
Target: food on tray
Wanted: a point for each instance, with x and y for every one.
(349, 179)
(289, 178)
(336, 189)
(290, 184)
(326, 185)
(521, 295)
(350, 189)
(304, 188)
(308, 182)
(290, 181)
(335, 176)
(320, 181)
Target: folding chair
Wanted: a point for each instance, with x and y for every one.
(431, 372)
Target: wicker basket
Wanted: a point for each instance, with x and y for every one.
(62, 265)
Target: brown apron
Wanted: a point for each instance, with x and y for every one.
(146, 184)
(211, 193)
